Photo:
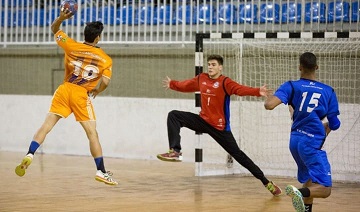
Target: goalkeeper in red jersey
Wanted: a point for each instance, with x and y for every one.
(215, 90)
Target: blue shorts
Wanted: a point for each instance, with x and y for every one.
(312, 162)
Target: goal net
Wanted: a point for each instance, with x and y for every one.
(264, 135)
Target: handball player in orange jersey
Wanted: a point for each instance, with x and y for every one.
(87, 73)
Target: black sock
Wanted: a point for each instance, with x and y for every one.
(305, 192)
(100, 164)
(265, 181)
(308, 207)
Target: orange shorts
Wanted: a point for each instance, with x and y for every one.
(70, 98)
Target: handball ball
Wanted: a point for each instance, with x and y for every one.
(71, 5)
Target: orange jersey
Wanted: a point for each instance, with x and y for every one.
(84, 64)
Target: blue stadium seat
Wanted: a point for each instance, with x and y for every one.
(227, 14)
(123, 12)
(147, 15)
(269, 12)
(355, 11)
(163, 14)
(107, 16)
(15, 18)
(338, 11)
(37, 18)
(190, 14)
(291, 12)
(8, 22)
(2, 18)
(206, 13)
(126, 14)
(247, 13)
(19, 3)
(87, 15)
(23, 17)
(315, 12)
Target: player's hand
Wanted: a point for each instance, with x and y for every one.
(65, 14)
(265, 92)
(93, 93)
(166, 82)
(327, 128)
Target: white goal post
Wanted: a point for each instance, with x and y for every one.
(255, 59)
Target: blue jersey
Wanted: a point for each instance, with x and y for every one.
(312, 101)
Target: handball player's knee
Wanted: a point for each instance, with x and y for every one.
(326, 192)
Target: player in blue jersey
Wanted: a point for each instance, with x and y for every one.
(310, 102)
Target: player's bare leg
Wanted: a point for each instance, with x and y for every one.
(316, 191)
(91, 133)
(39, 137)
(96, 151)
(50, 121)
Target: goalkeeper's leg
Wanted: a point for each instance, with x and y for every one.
(228, 142)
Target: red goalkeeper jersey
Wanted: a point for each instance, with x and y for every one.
(215, 96)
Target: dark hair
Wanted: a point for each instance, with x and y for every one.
(92, 30)
(216, 57)
(308, 61)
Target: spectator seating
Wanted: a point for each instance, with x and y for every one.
(315, 12)
(164, 14)
(247, 13)
(17, 3)
(190, 16)
(126, 15)
(355, 11)
(107, 15)
(87, 15)
(15, 18)
(269, 12)
(146, 15)
(227, 13)
(222, 13)
(338, 11)
(37, 18)
(8, 15)
(205, 13)
(291, 13)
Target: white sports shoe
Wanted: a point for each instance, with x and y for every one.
(105, 178)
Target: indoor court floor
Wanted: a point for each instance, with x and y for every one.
(66, 183)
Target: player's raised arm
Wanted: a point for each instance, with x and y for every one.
(64, 14)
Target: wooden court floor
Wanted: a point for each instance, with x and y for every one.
(66, 183)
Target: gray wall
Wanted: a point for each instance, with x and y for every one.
(137, 71)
